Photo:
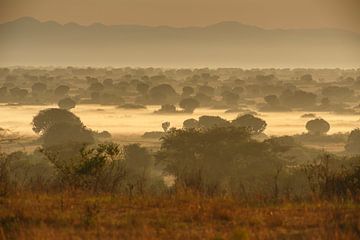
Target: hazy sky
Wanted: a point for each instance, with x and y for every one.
(343, 14)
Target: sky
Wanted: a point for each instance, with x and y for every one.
(284, 14)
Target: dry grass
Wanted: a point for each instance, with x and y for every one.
(182, 216)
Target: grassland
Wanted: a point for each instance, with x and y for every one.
(80, 215)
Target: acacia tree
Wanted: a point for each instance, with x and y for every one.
(142, 88)
(66, 103)
(48, 117)
(317, 126)
(187, 91)
(61, 91)
(230, 98)
(189, 104)
(191, 123)
(254, 124)
(272, 100)
(212, 121)
(38, 88)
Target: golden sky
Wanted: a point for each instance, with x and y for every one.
(343, 14)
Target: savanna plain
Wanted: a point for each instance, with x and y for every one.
(155, 153)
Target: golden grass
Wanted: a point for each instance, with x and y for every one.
(182, 216)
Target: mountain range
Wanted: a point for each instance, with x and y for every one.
(27, 41)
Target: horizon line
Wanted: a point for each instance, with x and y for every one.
(234, 22)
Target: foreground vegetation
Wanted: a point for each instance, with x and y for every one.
(79, 215)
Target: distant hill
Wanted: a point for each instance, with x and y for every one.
(27, 41)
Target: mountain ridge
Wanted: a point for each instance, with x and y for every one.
(30, 41)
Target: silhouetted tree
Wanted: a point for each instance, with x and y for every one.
(66, 103)
(38, 88)
(203, 99)
(48, 117)
(61, 91)
(167, 108)
(187, 91)
(255, 125)
(272, 100)
(337, 93)
(306, 78)
(191, 123)
(108, 83)
(161, 94)
(207, 90)
(317, 126)
(212, 121)
(230, 98)
(96, 87)
(298, 98)
(3, 92)
(136, 158)
(65, 133)
(142, 88)
(189, 104)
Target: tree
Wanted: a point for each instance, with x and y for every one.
(189, 104)
(165, 126)
(317, 126)
(3, 92)
(137, 158)
(212, 121)
(142, 88)
(187, 91)
(95, 96)
(66, 103)
(353, 143)
(298, 98)
(38, 88)
(254, 124)
(325, 102)
(167, 108)
(337, 93)
(18, 93)
(65, 133)
(272, 100)
(162, 94)
(191, 123)
(203, 99)
(61, 91)
(108, 83)
(306, 78)
(48, 117)
(96, 87)
(207, 90)
(230, 98)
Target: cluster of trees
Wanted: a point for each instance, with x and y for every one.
(254, 124)
(188, 89)
(218, 158)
